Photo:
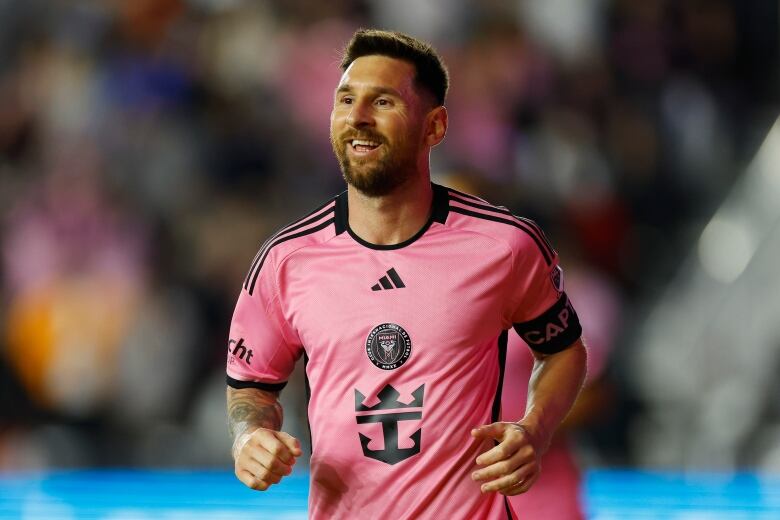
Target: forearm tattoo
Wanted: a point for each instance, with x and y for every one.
(249, 408)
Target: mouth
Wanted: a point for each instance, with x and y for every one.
(363, 147)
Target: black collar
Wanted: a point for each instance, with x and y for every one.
(439, 213)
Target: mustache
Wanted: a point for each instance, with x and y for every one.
(364, 136)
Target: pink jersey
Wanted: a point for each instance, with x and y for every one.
(403, 347)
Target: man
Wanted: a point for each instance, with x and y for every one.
(398, 294)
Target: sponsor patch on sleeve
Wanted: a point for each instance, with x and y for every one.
(556, 277)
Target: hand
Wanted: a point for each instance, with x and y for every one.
(263, 457)
(512, 466)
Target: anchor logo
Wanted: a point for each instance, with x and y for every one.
(388, 400)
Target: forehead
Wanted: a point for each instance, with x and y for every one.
(379, 72)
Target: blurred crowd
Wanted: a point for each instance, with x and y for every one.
(148, 147)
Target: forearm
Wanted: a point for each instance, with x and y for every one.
(250, 408)
(555, 382)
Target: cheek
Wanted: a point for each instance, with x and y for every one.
(335, 131)
(337, 118)
(332, 121)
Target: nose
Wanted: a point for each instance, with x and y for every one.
(360, 115)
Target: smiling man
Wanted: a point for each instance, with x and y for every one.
(398, 294)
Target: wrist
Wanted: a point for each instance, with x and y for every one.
(538, 433)
(240, 441)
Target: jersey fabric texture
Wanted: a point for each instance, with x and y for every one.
(403, 346)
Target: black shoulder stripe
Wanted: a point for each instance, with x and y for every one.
(504, 211)
(518, 225)
(281, 240)
(294, 223)
(289, 229)
(297, 224)
(252, 266)
(467, 195)
(538, 229)
(269, 387)
(488, 207)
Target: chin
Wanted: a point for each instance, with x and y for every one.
(369, 183)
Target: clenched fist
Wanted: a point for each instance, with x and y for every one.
(263, 457)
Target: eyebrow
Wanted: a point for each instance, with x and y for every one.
(377, 90)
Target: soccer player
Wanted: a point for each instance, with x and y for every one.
(398, 295)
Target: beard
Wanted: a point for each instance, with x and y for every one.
(374, 177)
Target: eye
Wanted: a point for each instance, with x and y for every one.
(345, 100)
(383, 102)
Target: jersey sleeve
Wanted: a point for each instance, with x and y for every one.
(263, 347)
(541, 312)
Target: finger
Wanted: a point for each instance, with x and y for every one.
(491, 431)
(523, 486)
(504, 450)
(269, 477)
(251, 481)
(291, 442)
(271, 463)
(269, 442)
(264, 449)
(517, 478)
(513, 441)
(524, 455)
(260, 471)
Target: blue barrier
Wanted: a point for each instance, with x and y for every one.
(217, 495)
(622, 494)
(146, 495)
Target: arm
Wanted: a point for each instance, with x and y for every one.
(262, 453)
(252, 408)
(513, 465)
(555, 383)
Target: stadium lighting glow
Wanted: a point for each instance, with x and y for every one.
(732, 237)
(725, 248)
(767, 167)
(768, 157)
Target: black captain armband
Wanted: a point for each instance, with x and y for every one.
(553, 331)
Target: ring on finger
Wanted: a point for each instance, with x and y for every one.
(518, 483)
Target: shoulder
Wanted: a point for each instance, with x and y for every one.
(472, 213)
(317, 226)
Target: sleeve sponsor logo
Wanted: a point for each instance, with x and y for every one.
(237, 349)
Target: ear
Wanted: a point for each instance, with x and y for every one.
(436, 126)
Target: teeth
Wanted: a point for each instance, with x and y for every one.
(356, 142)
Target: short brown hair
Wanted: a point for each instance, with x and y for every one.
(431, 74)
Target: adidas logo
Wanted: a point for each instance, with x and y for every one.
(386, 282)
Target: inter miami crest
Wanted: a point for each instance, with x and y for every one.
(388, 346)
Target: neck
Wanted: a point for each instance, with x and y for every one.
(393, 218)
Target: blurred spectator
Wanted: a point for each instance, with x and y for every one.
(74, 269)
